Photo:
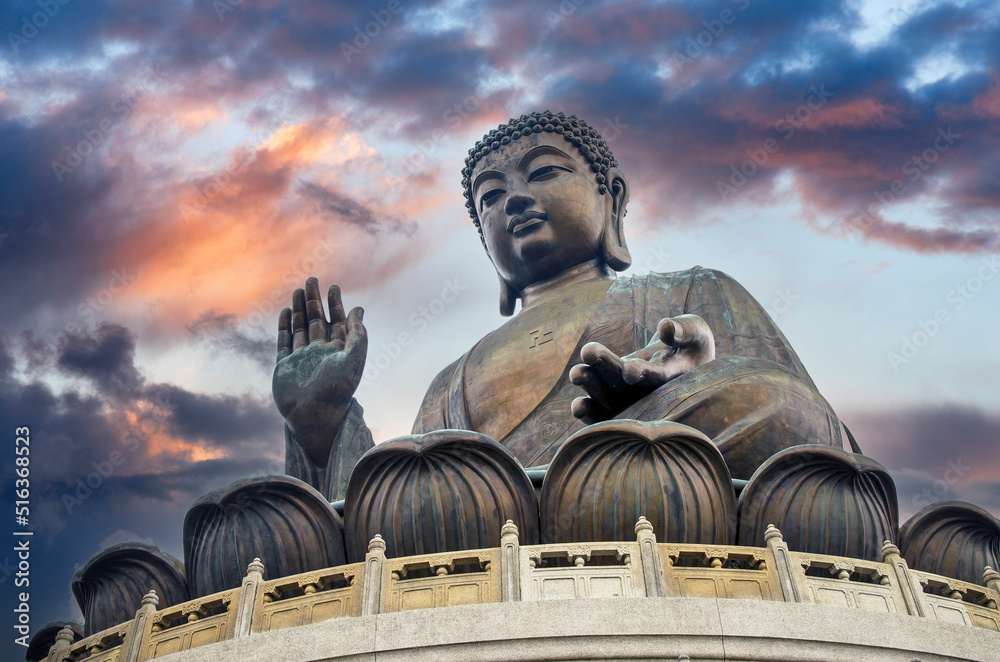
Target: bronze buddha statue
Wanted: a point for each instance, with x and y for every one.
(669, 396)
(549, 201)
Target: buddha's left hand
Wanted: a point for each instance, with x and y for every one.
(614, 383)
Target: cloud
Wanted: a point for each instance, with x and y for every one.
(935, 452)
(346, 210)
(224, 332)
(107, 359)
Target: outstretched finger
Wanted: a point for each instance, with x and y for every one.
(594, 384)
(587, 410)
(607, 364)
(300, 337)
(338, 330)
(314, 311)
(357, 334)
(284, 333)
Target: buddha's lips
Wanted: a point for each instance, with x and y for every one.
(518, 224)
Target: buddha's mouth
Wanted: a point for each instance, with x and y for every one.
(520, 225)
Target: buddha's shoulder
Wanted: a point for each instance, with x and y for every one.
(697, 272)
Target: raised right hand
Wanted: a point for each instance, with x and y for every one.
(318, 368)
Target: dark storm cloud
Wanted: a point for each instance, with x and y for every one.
(223, 332)
(218, 420)
(77, 428)
(347, 210)
(935, 453)
(107, 359)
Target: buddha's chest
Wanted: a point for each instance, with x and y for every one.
(511, 370)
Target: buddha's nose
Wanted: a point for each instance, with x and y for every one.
(518, 197)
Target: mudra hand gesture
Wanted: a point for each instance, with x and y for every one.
(614, 383)
(318, 368)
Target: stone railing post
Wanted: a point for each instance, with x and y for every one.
(649, 559)
(371, 589)
(135, 640)
(790, 574)
(247, 604)
(510, 563)
(64, 639)
(913, 592)
(992, 580)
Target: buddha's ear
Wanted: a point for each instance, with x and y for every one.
(508, 297)
(508, 294)
(613, 244)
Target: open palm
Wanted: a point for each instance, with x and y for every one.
(319, 366)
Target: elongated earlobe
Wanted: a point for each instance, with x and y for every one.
(613, 246)
(508, 298)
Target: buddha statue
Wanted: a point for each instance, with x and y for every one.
(674, 383)
(668, 396)
(549, 201)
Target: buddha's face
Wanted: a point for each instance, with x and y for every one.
(539, 207)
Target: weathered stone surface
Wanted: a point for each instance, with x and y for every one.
(824, 500)
(953, 539)
(609, 474)
(616, 629)
(444, 491)
(109, 588)
(44, 637)
(279, 519)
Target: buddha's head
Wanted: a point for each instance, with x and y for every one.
(546, 194)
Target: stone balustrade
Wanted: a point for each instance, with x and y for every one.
(514, 572)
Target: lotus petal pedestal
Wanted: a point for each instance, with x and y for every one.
(604, 477)
(953, 539)
(443, 491)
(825, 501)
(109, 588)
(279, 519)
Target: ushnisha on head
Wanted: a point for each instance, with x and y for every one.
(546, 195)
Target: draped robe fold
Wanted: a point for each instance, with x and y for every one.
(753, 400)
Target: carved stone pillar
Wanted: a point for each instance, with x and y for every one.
(135, 639)
(371, 590)
(63, 641)
(992, 580)
(248, 599)
(649, 558)
(510, 563)
(788, 572)
(913, 592)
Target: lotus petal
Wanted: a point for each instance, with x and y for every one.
(607, 475)
(824, 500)
(279, 519)
(109, 588)
(447, 490)
(953, 539)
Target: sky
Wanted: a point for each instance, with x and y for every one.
(171, 171)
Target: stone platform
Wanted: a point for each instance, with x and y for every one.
(616, 629)
(575, 601)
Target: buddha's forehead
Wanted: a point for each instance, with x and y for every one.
(506, 157)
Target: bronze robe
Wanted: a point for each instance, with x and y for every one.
(753, 400)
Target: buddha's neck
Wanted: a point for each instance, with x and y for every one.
(581, 273)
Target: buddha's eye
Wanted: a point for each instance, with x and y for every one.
(547, 172)
(489, 197)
